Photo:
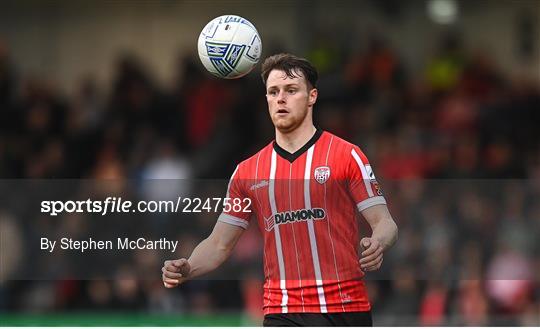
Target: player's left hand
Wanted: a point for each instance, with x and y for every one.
(372, 256)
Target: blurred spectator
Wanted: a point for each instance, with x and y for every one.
(166, 175)
(433, 305)
(444, 70)
(472, 304)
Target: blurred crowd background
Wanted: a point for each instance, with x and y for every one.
(451, 130)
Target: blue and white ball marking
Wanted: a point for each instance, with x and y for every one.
(229, 46)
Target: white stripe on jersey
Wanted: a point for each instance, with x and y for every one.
(365, 176)
(370, 202)
(230, 180)
(311, 230)
(226, 218)
(294, 240)
(271, 193)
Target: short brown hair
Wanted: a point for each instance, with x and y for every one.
(291, 65)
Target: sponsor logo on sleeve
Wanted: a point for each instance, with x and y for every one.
(376, 186)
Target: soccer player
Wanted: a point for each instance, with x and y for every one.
(305, 187)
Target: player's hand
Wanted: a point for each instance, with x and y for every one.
(372, 256)
(175, 272)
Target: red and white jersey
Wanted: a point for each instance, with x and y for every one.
(305, 204)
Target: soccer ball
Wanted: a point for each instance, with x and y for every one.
(229, 46)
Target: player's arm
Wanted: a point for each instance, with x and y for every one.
(206, 257)
(384, 235)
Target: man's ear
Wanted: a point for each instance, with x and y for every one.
(313, 93)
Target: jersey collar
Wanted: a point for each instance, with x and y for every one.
(293, 156)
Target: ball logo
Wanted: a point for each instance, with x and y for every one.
(322, 174)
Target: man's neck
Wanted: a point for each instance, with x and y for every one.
(294, 140)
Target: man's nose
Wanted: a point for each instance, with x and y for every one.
(281, 97)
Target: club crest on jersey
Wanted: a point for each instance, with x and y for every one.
(322, 174)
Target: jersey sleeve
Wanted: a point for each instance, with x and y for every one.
(363, 185)
(235, 209)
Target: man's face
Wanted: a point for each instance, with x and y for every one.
(289, 100)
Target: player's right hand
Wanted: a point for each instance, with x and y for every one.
(175, 272)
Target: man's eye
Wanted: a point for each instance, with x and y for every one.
(272, 93)
(292, 91)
